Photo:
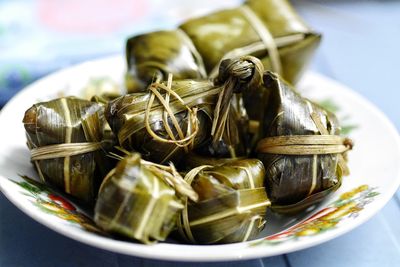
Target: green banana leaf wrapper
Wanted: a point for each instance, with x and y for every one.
(158, 123)
(193, 160)
(297, 181)
(233, 143)
(134, 201)
(157, 54)
(270, 30)
(230, 33)
(232, 203)
(65, 137)
(238, 77)
(126, 116)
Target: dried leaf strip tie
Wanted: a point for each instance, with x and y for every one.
(63, 151)
(169, 112)
(226, 207)
(183, 220)
(172, 177)
(236, 76)
(308, 144)
(169, 174)
(265, 36)
(267, 42)
(303, 145)
(192, 129)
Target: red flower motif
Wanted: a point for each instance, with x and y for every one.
(62, 202)
(292, 230)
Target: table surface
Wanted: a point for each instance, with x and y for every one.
(360, 50)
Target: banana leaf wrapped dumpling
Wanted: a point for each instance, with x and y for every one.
(175, 117)
(270, 30)
(232, 203)
(302, 151)
(65, 138)
(140, 120)
(139, 200)
(155, 55)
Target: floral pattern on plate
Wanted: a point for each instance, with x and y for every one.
(347, 206)
(48, 201)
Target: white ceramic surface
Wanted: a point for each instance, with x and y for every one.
(374, 163)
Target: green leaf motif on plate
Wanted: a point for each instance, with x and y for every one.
(331, 106)
(347, 205)
(49, 202)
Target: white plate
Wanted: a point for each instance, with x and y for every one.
(375, 175)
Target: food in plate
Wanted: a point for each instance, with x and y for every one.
(138, 199)
(232, 203)
(65, 137)
(212, 133)
(270, 30)
(302, 150)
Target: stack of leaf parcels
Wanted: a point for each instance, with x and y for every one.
(207, 96)
(270, 30)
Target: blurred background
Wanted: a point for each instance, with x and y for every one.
(39, 37)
